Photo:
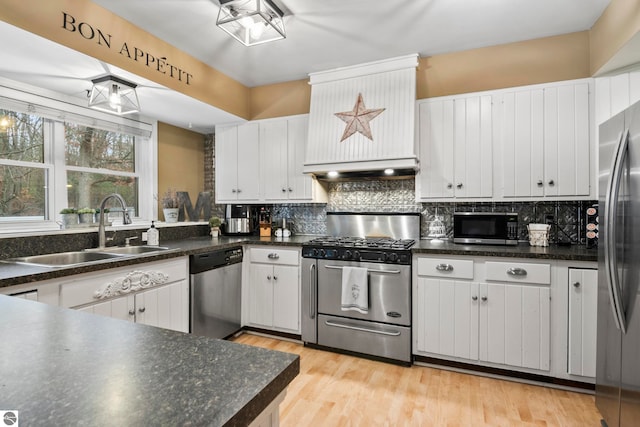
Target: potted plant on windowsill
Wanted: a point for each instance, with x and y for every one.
(170, 206)
(86, 215)
(214, 223)
(69, 217)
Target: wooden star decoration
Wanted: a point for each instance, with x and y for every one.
(358, 119)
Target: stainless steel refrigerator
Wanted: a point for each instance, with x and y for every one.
(618, 351)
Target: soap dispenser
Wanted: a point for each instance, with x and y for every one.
(153, 236)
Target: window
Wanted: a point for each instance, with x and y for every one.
(23, 174)
(57, 155)
(99, 163)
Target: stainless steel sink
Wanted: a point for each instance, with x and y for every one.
(132, 250)
(65, 259)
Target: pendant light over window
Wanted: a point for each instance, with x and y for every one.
(114, 95)
(251, 22)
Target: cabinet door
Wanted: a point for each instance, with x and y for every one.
(473, 147)
(286, 298)
(514, 325)
(261, 295)
(226, 155)
(273, 146)
(447, 317)
(122, 308)
(566, 140)
(436, 144)
(522, 143)
(248, 162)
(300, 184)
(583, 307)
(164, 306)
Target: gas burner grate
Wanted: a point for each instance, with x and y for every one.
(361, 242)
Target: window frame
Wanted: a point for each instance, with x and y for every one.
(57, 109)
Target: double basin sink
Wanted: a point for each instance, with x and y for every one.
(68, 259)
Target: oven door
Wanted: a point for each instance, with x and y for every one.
(389, 291)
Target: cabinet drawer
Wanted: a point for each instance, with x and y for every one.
(520, 272)
(275, 256)
(94, 287)
(441, 267)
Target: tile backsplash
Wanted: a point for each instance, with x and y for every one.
(398, 195)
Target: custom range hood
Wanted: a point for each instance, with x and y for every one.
(361, 120)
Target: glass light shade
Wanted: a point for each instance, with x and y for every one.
(113, 95)
(251, 22)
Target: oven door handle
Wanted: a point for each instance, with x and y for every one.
(337, 267)
(358, 328)
(312, 291)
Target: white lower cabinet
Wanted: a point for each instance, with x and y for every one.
(155, 293)
(271, 298)
(460, 312)
(583, 306)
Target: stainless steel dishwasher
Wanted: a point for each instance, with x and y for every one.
(215, 292)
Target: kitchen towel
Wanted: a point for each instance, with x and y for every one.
(355, 289)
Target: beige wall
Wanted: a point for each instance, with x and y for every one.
(514, 64)
(282, 99)
(617, 25)
(180, 161)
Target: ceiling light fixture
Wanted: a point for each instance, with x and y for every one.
(251, 22)
(114, 95)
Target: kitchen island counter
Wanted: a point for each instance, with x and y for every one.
(63, 367)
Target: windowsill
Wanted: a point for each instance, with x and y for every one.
(44, 230)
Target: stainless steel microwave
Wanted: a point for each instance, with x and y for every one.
(489, 228)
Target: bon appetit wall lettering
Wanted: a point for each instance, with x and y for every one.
(157, 63)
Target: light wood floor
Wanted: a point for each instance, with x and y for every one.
(339, 390)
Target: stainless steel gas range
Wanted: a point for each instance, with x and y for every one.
(356, 285)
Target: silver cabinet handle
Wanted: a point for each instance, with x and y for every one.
(540, 183)
(358, 328)
(283, 190)
(273, 255)
(269, 277)
(275, 277)
(611, 225)
(132, 312)
(475, 297)
(576, 284)
(459, 185)
(551, 183)
(444, 267)
(517, 272)
(369, 270)
(239, 190)
(449, 185)
(141, 309)
(290, 190)
(484, 298)
(233, 190)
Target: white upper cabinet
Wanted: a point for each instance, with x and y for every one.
(262, 161)
(237, 158)
(545, 141)
(282, 148)
(455, 145)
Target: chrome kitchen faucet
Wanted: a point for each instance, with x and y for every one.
(125, 217)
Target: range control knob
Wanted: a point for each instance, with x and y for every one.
(323, 253)
(314, 252)
(356, 255)
(347, 254)
(392, 257)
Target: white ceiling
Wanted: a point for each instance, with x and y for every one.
(321, 35)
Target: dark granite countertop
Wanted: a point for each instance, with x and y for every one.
(15, 274)
(522, 250)
(64, 367)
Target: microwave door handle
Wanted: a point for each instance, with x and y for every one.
(611, 226)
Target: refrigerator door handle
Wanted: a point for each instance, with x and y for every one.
(611, 261)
